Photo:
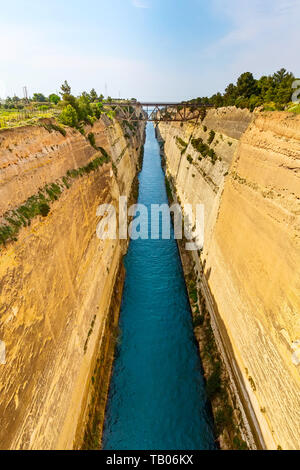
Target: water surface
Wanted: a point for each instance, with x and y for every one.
(157, 396)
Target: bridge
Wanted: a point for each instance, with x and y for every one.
(133, 111)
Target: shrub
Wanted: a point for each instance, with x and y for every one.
(193, 295)
(239, 444)
(44, 209)
(39, 203)
(104, 153)
(55, 99)
(181, 144)
(43, 107)
(211, 137)
(69, 117)
(223, 418)
(295, 109)
(92, 140)
(60, 129)
(213, 384)
(168, 189)
(198, 321)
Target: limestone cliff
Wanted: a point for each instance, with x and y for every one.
(251, 252)
(57, 279)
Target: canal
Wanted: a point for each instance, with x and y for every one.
(157, 394)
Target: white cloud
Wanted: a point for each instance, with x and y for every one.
(140, 4)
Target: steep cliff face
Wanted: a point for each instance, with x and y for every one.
(197, 179)
(57, 280)
(252, 252)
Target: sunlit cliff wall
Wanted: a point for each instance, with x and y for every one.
(251, 253)
(56, 280)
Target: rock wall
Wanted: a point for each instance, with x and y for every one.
(251, 252)
(57, 280)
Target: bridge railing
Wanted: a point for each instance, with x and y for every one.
(157, 111)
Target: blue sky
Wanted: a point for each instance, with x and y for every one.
(149, 49)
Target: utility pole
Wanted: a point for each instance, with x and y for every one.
(25, 93)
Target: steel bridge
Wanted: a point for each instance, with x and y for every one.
(133, 111)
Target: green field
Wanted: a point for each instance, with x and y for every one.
(15, 117)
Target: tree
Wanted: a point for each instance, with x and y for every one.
(65, 89)
(93, 95)
(283, 81)
(68, 99)
(246, 85)
(264, 85)
(15, 99)
(53, 98)
(217, 100)
(254, 102)
(84, 107)
(39, 97)
(270, 94)
(280, 76)
(69, 117)
(230, 95)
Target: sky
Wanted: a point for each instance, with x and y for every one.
(146, 49)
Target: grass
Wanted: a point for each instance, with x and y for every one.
(295, 109)
(16, 118)
(51, 127)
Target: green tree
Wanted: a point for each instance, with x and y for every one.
(84, 108)
(254, 102)
(280, 76)
(230, 95)
(264, 85)
(283, 81)
(15, 99)
(68, 98)
(65, 89)
(39, 97)
(93, 95)
(217, 100)
(53, 98)
(246, 85)
(69, 117)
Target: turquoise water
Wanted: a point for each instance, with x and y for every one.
(157, 397)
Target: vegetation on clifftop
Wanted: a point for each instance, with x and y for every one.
(272, 91)
(70, 110)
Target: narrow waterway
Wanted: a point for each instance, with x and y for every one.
(157, 395)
